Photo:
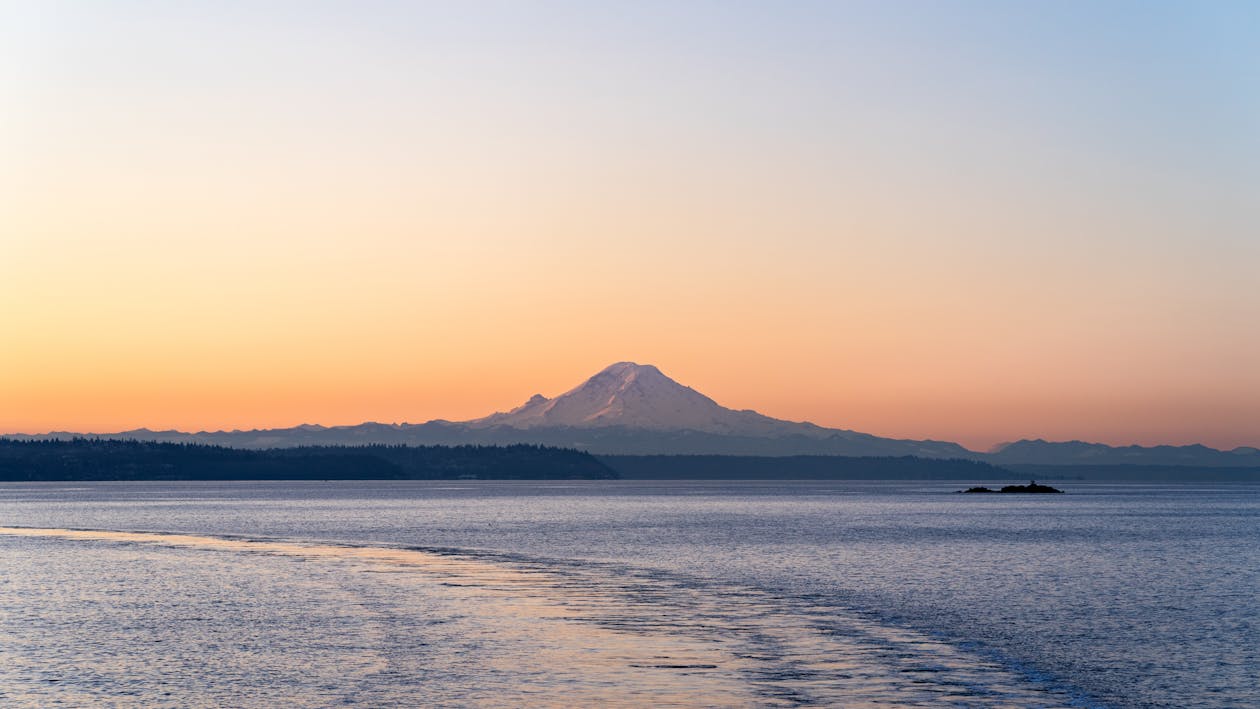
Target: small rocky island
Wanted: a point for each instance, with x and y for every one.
(1031, 487)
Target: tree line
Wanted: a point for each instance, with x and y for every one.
(104, 459)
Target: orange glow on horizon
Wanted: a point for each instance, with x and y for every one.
(861, 217)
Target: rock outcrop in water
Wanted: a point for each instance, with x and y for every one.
(1031, 487)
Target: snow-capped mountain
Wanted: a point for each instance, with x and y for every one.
(629, 407)
(639, 396)
(626, 408)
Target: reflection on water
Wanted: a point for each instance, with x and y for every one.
(94, 616)
(1117, 595)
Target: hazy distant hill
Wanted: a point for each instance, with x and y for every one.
(633, 409)
(625, 409)
(801, 467)
(1039, 452)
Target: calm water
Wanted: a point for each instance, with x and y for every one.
(630, 593)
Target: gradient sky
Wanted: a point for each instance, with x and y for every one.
(974, 221)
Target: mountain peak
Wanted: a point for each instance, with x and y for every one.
(626, 374)
(626, 394)
(639, 398)
(627, 369)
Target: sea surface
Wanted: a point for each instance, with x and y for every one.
(627, 594)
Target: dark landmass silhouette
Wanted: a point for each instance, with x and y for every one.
(1040, 452)
(88, 459)
(726, 467)
(94, 459)
(1031, 488)
(107, 459)
(629, 409)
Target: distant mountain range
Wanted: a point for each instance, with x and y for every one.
(1039, 452)
(633, 409)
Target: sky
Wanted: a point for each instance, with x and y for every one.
(968, 221)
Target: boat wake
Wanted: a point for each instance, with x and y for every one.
(449, 626)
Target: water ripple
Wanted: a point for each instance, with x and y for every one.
(170, 619)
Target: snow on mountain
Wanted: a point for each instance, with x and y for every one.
(640, 396)
(627, 408)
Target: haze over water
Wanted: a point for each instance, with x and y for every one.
(743, 594)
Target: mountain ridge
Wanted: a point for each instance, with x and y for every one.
(638, 396)
(635, 409)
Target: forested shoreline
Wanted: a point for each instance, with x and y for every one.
(100, 459)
